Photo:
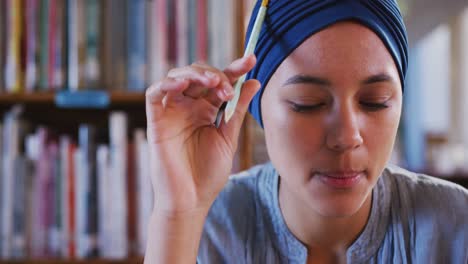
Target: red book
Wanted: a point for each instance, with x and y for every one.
(202, 30)
(71, 201)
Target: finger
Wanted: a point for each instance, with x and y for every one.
(232, 128)
(196, 74)
(156, 92)
(224, 92)
(209, 70)
(240, 67)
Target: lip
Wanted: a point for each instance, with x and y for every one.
(340, 179)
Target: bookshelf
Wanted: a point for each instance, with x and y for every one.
(58, 261)
(119, 86)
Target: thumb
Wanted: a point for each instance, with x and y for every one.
(232, 129)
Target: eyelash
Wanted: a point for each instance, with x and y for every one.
(372, 107)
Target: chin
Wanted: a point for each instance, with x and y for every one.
(339, 211)
(337, 205)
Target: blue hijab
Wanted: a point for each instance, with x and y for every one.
(288, 23)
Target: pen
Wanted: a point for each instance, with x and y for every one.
(228, 108)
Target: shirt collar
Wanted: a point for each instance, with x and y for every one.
(292, 249)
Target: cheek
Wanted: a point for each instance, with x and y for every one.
(379, 136)
(290, 139)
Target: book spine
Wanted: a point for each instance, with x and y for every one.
(144, 188)
(3, 39)
(13, 55)
(58, 67)
(118, 209)
(162, 37)
(18, 242)
(202, 31)
(182, 32)
(81, 183)
(72, 45)
(153, 71)
(136, 45)
(44, 45)
(10, 154)
(119, 43)
(192, 30)
(64, 146)
(104, 200)
(1, 188)
(31, 45)
(92, 43)
(81, 43)
(52, 31)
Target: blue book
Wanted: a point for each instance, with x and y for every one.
(136, 48)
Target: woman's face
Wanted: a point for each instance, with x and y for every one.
(330, 114)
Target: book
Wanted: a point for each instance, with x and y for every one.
(144, 189)
(72, 75)
(10, 152)
(1, 189)
(182, 32)
(56, 48)
(89, 188)
(136, 48)
(104, 200)
(118, 125)
(13, 52)
(156, 41)
(3, 39)
(31, 38)
(92, 68)
(44, 29)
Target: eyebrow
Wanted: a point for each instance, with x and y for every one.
(300, 78)
(381, 77)
(309, 79)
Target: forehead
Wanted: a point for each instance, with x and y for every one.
(345, 50)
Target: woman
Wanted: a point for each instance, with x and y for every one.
(327, 86)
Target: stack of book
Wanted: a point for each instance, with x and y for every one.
(49, 45)
(73, 198)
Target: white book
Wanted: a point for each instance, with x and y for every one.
(181, 9)
(104, 200)
(73, 70)
(144, 188)
(81, 185)
(221, 31)
(117, 187)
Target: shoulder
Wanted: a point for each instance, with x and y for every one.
(232, 222)
(426, 190)
(430, 212)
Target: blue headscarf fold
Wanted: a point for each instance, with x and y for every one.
(288, 23)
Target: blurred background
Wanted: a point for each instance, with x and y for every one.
(74, 175)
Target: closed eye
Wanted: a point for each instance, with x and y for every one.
(301, 108)
(374, 106)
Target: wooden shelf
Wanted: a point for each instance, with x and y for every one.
(64, 261)
(48, 98)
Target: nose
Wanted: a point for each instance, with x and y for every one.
(344, 130)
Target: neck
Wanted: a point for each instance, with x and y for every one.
(321, 233)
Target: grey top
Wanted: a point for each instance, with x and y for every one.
(414, 219)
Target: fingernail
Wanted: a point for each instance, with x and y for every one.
(210, 75)
(227, 90)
